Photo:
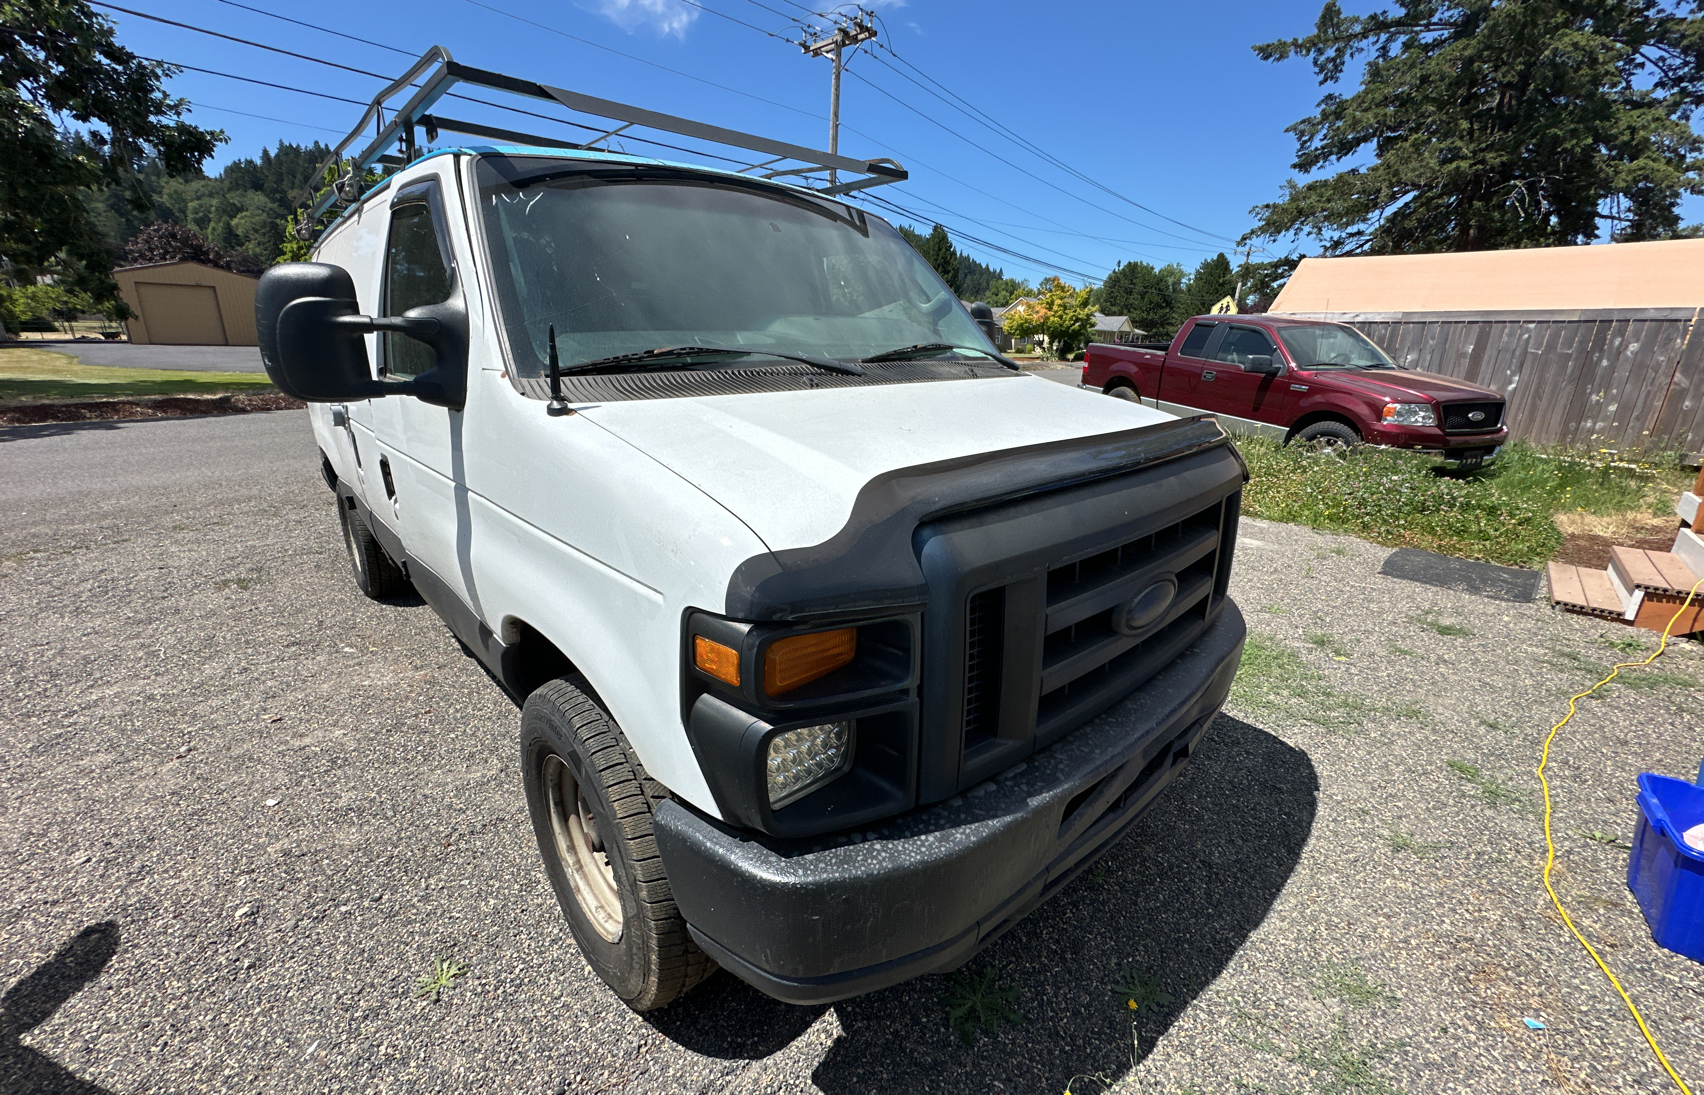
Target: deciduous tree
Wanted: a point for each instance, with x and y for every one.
(1059, 313)
(59, 66)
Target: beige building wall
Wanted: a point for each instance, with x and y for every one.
(186, 303)
(1666, 274)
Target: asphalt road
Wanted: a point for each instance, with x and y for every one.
(232, 359)
(243, 809)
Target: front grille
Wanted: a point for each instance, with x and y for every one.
(1042, 654)
(983, 630)
(1458, 417)
(1083, 654)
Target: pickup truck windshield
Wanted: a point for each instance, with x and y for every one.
(624, 259)
(1331, 344)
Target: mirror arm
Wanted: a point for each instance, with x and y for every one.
(421, 327)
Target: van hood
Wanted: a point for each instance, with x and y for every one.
(1404, 385)
(790, 464)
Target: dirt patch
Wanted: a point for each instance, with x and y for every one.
(1590, 536)
(176, 406)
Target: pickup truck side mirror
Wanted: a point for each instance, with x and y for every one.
(310, 339)
(1265, 365)
(984, 317)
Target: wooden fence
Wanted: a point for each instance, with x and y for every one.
(1624, 379)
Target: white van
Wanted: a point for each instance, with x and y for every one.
(840, 643)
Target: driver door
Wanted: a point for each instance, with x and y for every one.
(420, 444)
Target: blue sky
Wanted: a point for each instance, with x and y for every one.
(1163, 103)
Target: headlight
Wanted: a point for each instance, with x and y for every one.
(802, 760)
(1410, 414)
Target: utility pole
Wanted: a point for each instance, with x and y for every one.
(849, 33)
(1248, 253)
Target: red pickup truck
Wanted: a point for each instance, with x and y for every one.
(1325, 384)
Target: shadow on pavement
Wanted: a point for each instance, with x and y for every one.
(33, 1000)
(58, 429)
(1178, 896)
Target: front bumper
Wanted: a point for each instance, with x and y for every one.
(814, 920)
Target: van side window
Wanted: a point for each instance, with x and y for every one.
(1197, 340)
(1242, 343)
(414, 275)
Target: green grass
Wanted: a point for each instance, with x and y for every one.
(1493, 790)
(1407, 842)
(28, 375)
(1274, 679)
(1404, 651)
(975, 1003)
(1336, 1065)
(1330, 644)
(1429, 620)
(1349, 983)
(1501, 515)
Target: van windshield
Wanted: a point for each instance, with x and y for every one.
(1332, 344)
(627, 258)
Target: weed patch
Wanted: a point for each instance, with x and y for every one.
(1274, 679)
(1276, 610)
(1349, 983)
(1403, 651)
(1493, 790)
(1141, 992)
(976, 1004)
(1407, 842)
(1330, 644)
(1336, 1065)
(1429, 620)
(444, 974)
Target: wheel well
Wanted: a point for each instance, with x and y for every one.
(530, 659)
(1307, 420)
(1121, 382)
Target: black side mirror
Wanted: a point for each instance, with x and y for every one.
(1264, 364)
(310, 339)
(984, 317)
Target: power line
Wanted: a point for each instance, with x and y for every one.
(641, 60)
(982, 118)
(741, 22)
(262, 117)
(377, 76)
(316, 26)
(252, 80)
(239, 41)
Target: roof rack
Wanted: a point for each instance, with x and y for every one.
(436, 72)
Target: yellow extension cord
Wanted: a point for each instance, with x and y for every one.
(1550, 842)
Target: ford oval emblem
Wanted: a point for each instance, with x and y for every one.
(1146, 608)
(1476, 416)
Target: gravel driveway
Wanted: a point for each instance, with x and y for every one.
(243, 810)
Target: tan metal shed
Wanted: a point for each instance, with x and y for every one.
(188, 304)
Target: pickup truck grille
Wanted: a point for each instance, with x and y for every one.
(1458, 417)
(1036, 623)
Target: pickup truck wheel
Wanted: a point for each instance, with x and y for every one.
(1328, 438)
(1124, 391)
(375, 574)
(591, 807)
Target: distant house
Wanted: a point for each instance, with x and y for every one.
(1115, 329)
(1007, 342)
(188, 304)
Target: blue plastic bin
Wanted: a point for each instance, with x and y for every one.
(1665, 875)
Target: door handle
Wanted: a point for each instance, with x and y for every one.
(339, 415)
(1209, 375)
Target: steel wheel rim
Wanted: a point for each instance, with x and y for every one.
(1328, 446)
(578, 849)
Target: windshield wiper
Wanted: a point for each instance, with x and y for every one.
(930, 349)
(668, 357)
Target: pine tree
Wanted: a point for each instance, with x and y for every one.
(1495, 124)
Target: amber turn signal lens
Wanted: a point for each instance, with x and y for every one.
(721, 662)
(801, 659)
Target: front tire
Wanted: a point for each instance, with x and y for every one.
(1328, 438)
(376, 574)
(591, 806)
